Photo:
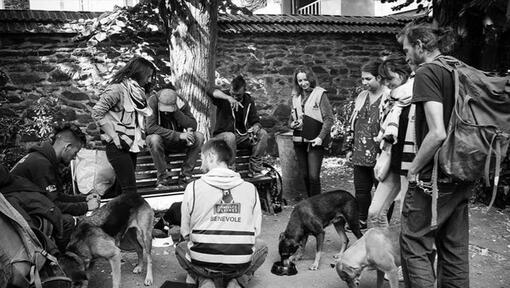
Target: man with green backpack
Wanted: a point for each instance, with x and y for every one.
(462, 132)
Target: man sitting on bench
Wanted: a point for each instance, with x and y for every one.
(238, 123)
(171, 128)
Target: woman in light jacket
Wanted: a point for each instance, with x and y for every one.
(121, 112)
(310, 104)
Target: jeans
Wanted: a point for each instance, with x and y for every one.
(159, 146)
(381, 208)
(364, 179)
(451, 237)
(258, 147)
(123, 163)
(243, 277)
(310, 161)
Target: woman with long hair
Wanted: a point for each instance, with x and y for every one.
(121, 112)
(398, 153)
(311, 119)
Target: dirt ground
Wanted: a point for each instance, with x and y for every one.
(489, 250)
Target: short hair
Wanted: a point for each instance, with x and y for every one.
(221, 148)
(238, 83)
(69, 132)
(310, 76)
(395, 63)
(432, 38)
(137, 68)
(372, 67)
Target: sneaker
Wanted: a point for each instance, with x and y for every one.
(164, 182)
(255, 174)
(233, 284)
(400, 275)
(205, 283)
(184, 180)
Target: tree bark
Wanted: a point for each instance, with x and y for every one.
(192, 40)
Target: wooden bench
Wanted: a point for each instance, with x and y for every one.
(162, 199)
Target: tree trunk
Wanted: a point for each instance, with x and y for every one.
(192, 41)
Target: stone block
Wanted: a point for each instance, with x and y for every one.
(310, 49)
(26, 78)
(319, 70)
(255, 68)
(75, 96)
(65, 114)
(288, 70)
(58, 75)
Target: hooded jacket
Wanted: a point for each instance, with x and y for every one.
(40, 166)
(169, 125)
(225, 121)
(29, 200)
(222, 216)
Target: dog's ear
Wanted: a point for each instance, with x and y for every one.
(282, 236)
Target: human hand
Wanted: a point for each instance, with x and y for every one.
(254, 129)
(412, 177)
(296, 124)
(348, 156)
(316, 142)
(93, 204)
(187, 136)
(234, 103)
(116, 141)
(93, 195)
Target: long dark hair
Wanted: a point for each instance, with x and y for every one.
(137, 68)
(310, 76)
(395, 63)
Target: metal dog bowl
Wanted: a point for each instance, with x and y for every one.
(281, 270)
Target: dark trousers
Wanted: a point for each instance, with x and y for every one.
(123, 163)
(364, 180)
(158, 146)
(310, 161)
(68, 228)
(451, 237)
(258, 147)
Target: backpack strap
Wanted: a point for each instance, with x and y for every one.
(497, 152)
(435, 192)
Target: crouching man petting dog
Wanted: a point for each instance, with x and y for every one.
(221, 219)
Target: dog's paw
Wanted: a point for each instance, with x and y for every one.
(137, 270)
(148, 281)
(314, 266)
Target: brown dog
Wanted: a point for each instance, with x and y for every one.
(379, 248)
(123, 223)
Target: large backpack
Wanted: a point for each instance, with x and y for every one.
(478, 133)
(20, 247)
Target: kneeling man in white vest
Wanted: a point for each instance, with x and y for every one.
(221, 219)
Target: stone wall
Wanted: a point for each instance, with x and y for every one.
(39, 67)
(269, 63)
